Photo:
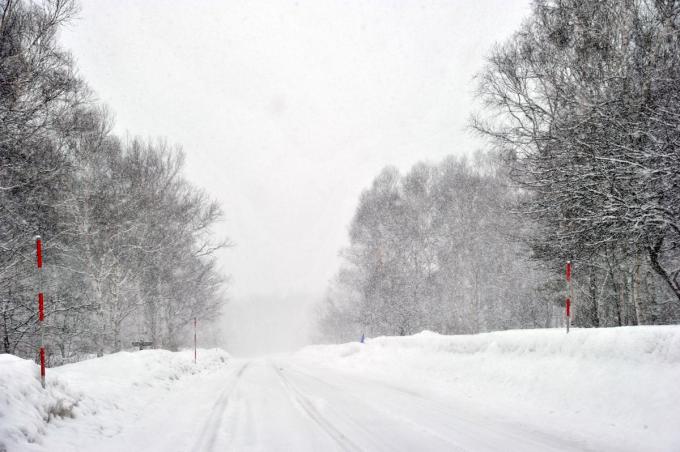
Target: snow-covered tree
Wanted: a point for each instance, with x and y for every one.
(583, 102)
(438, 249)
(129, 247)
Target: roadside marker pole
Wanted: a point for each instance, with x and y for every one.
(570, 295)
(194, 340)
(41, 308)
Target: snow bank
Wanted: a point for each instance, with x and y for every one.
(620, 385)
(25, 408)
(104, 390)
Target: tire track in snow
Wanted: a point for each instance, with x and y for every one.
(206, 440)
(386, 412)
(520, 435)
(306, 404)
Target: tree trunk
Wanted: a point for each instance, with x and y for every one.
(5, 335)
(618, 294)
(656, 266)
(635, 291)
(594, 315)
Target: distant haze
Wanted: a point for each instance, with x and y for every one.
(287, 111)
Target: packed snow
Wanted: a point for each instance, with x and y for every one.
(594, 389)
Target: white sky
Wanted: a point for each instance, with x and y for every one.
(287, 110)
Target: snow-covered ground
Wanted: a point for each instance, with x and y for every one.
(602, 389)
(598, 389)
(90, 403)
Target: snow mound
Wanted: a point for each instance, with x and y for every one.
(101, 389)
(146, 368)
(25, 408)
(643, 344)
(620, 384)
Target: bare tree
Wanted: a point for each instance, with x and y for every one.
(583, 101)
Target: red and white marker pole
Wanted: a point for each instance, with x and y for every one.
(41, 308)
(570, 295)
(194, 340)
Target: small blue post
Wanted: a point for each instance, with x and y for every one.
(362, 337)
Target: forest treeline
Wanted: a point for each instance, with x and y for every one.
(128, 248)
(581, 109)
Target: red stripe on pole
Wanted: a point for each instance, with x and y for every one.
(41, 306)
(38, 252)
(568, 307)
(568, 271)
(42, 363)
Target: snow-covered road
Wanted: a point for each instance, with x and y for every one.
(611, 389)
(275, 405)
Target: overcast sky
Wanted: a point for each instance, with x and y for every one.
(287, 110)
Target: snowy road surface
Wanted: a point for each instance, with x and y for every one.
(612, 389)
(274, 405)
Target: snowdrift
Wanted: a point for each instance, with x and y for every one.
(103, 390)
(621, 385)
